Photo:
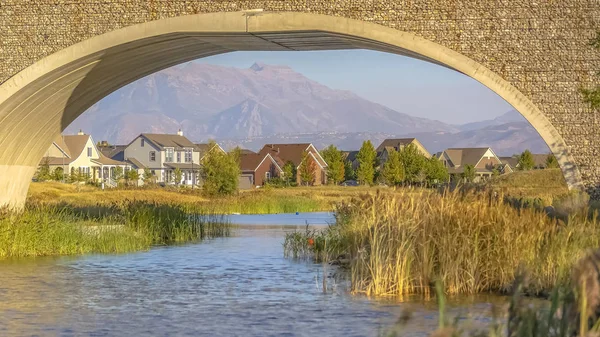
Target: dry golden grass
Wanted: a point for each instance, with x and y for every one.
(544, 184)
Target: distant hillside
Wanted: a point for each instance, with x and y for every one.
(209, 101)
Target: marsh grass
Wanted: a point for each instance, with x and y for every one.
(43, 230)
(400, 243)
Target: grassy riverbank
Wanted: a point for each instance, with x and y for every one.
(43, 230)
(401, 243)
(262, 201)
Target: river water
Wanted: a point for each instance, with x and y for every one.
(236, 286)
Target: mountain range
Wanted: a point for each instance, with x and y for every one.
(267, 103)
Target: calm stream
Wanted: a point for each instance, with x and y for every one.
(236, 286)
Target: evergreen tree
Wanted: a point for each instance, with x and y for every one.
(413, 162)
(43, 171)
(349, 173)
(393, 171)
(551, 162)
(220, 171)
(592, 96)
(435, 171)
(495, 172)
(307, 169)
(289, 173)
(335, 164)
(469, 174)
(367, 160)
(526, 161)
(178, 176)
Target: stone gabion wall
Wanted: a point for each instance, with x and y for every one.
(540, 46)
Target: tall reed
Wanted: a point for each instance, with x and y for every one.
(400, 243)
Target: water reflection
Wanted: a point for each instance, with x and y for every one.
(238, 286)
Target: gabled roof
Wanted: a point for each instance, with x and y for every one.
(246, 151)
(113, 151)
(291, 152)
(349, 156)
(103, 160)
(251, 161)
(59, 142)
(466, 156)
(53, 161)
(203, 148)
(511, 161)
(135, 163)
(167, 140)
(399, 143)
(76, 144)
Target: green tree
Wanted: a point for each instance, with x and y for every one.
(335, 164)
(220, 171)
(495, 172)
(349, 173)
(469, 174)
(393, 171)
(592, 96)
(551, 162)
(526, 161)
(367, 160)
(147, 177)
(43, 171)
(118, 174)
(289, 173)
(435, 171)
(307, 169)
(132, 176)
(58, 174)
(413, 162)
(178, 176)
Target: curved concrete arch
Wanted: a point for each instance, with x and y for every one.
(38, 103)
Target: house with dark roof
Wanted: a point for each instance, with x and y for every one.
(398, 144)
(538, 159)
(162, 154)
(256, 169)
(293, 153)
(350, 157)
(483, 159)
(78, 154)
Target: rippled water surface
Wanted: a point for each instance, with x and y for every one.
(237, 286)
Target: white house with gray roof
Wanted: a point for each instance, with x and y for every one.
(162, 154)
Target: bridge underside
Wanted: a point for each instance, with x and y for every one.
(39, 103)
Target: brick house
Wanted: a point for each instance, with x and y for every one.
(284, 153)
(256, 169)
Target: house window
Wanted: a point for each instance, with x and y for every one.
(143, 142)
(152, 155)
(153, 172)
(179, 156)
(188, 155)
(267, 175)
(89, 151)
(169, 155)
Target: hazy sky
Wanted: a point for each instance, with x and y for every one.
(404, 84)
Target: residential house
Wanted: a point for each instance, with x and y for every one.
(350, 157)
(538, 159)
(162, 154)
(484, 160)
(387, 145)
(78, 154)
(284, 153)
(256, 169)
(204, 148)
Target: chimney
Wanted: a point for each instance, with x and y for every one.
(80, 133)
(180, 133)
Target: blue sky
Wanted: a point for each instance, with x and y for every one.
(404, 84)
